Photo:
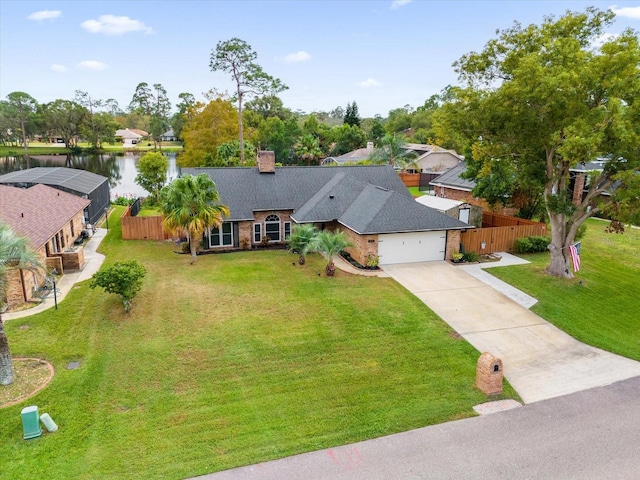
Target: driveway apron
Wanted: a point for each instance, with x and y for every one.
(540, 361)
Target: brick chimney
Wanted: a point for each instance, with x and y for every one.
(266, 161)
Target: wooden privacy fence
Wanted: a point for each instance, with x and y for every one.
(499, 233)
(142, 228)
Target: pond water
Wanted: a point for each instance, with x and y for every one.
(119, 168)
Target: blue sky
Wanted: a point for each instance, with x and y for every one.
(383, 54)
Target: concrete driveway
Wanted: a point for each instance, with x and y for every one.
(540, 361)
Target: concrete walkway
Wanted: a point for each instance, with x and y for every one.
(93, 261)
(540, 361)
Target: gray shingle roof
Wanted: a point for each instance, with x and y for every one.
(368, 199)
(451, 178)
(70, 179)
(370, 209)
(245, 190)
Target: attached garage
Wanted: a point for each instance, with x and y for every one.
(412, 247)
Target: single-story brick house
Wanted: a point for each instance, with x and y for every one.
(368, 202)
(51, 220)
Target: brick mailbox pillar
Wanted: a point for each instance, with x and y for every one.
(489, 374)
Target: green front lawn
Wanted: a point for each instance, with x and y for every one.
(600, 305)
(241, 358)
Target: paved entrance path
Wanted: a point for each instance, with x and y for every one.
(540, 361)
(92, 263)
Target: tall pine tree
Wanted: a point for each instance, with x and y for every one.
(351, 116)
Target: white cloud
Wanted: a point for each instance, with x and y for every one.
(92, 65)
(370, 82)
(113, 25)
(631, 12)
(58, 68)
(604, 38)
(300, 56)
(44, 15)
(399, 3)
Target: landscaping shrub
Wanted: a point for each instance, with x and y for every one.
(122, 201)
(533, 244)
(471, 257)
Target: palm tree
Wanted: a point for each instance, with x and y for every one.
(308, 148)
(15, 253)
(301, 240)
(190, 204)
(393, 151)
(330, 244)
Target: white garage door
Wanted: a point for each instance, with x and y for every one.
(411, 247)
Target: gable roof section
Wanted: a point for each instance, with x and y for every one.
(69, 179)
(331, 201)
(370, 209)
(451, 179)
(245, 190)
(39, 212)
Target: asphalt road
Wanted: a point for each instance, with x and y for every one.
(593, 434)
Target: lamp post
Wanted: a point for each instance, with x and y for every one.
(54, 272)
(106, 216)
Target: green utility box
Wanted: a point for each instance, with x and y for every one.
(31, 422)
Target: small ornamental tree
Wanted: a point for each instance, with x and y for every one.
(330, 244)
(301, 240)
(121, 278)
(152, 173)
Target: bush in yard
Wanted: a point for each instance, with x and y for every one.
(533, 244)
(121, 278)
(122, 201)
(470, 257)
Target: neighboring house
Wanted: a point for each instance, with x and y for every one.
(353, 157)
(429, 158)
(465, 212)
(368, 202)
(451, 185)
(579, 181)
(77, 182)
(51, 220)
(434, 159)
(129, 137)
(168, 136)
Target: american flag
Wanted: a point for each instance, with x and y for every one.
(574, 251)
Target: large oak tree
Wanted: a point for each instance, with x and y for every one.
(547, 98)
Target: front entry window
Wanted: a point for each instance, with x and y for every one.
(223, 236)
(272, 227)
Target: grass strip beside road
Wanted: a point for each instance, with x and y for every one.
(241, 358)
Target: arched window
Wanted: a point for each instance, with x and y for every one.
(272, 227)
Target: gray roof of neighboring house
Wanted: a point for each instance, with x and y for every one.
(451, 178)
(596, 165)
(70, 179)
(367, 199)
(168, 133)
(354, 156)
(39, 212)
